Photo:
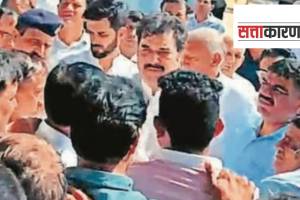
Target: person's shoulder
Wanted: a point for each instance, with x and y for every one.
(281, 185)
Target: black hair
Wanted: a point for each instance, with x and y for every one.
(110, 124)
(288, 68)
(161, 23)
(10, 187)
(63, 85)
(175, 1)
(285, 53)
(110, 9)
(189, 109)
(10, 68)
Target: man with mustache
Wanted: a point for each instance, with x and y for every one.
(103, 21)
(37, 30)
(251, 152)
(72, 43)
(161, 39)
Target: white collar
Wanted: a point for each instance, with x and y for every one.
(186, 159)
(147, 90)
(56, 138)
(115, 62)
(84, 40)
(61, 143)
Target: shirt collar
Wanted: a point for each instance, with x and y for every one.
(209, 18)
(279, 133)
(90, 179)
(186, 159)
(56, 138)
(83, 41)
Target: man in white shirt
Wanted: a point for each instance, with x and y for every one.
(128, 37)
(204, 18)
(204, 53)
(188, 115)
(234, 58)
(71, 41)
(103, 21)
(161, 39)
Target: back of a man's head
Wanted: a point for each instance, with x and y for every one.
(110, 125)
(10, 187)
(189, 109)
(62, 87)
(36, 166)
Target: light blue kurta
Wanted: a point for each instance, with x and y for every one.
(285, 186)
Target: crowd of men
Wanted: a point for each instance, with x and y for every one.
(100, 100)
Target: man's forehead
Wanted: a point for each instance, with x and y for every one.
(163, 40)
(170, 5)
(73, 1)
(274, 77)
(8, 20)
(98, 24)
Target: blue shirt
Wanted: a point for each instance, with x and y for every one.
(281, 186)
(210, 22)
(246, 153)
(257, 158)
(101, 185)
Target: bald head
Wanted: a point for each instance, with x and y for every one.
(204, 51)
